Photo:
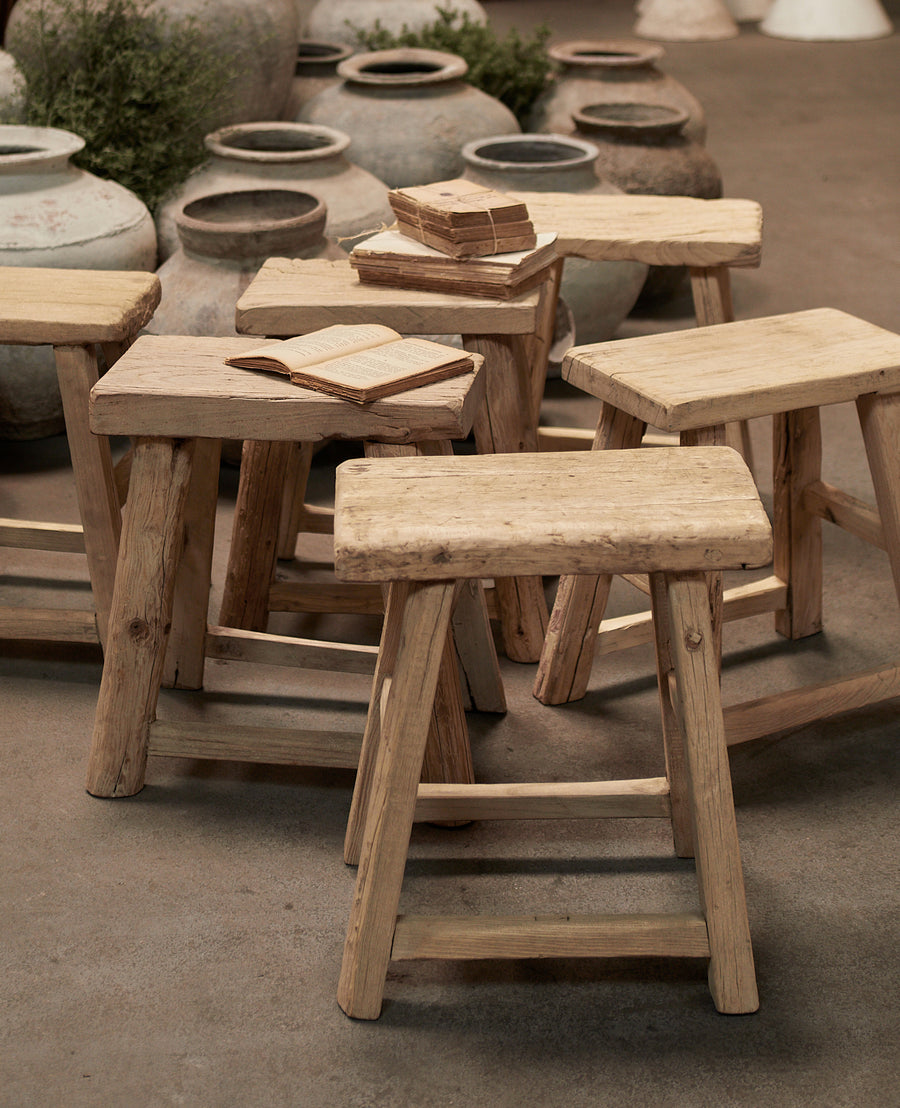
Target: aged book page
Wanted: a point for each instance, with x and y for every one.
(359, 363)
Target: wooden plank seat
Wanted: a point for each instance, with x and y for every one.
(710, 237)
(75, 311)
(692, 382)
(673, 513)
(177, 399)
(292, 297)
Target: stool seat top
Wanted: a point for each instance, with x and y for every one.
(73, 307)
(507, 515)
(658, 230)
(733, 371)
(174, 386)
(293, 296)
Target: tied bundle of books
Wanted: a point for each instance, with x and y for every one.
(361, 362)
(463, 220)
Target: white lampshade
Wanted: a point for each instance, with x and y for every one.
(824, 20)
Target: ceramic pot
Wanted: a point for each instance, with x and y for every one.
(12, 87)
(259, 37)
(341, 20)
(684, 20)
(315, 71)
(643, 149)
(611, 70)
(303, 156)
(826, 20)
(224, 239)
(599, 294)
(57, 216)
(408, 114)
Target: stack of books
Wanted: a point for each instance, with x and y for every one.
(393, 259)
(462, 219)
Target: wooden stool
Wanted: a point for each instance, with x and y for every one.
(710, 237)
(691, 382)
(293, 297)
(178, 399)
(672, 513)
(74, 311)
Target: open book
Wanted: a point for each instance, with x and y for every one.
(390, 258)
(360, 363)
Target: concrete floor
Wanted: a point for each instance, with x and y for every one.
(183, 946)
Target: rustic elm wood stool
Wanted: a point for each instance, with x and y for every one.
(177, 399)
(691, 382)
(429, 523)
(710, 237)
(292, 297)
(74, 311)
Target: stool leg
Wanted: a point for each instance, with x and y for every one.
(294, 499)
(565, 665)
(732, 977)
(139, 618)
(405, 712)
(186, 651)
(797, 440)
(475, 649)
(254, 539)
(448, 756)
(540, 342)
(505, 426)
(879, 418)
(715, 582)
(711, 290)
(673, 741)
(98, 501)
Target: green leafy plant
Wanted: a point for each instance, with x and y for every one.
(513, 69)
(137, 92)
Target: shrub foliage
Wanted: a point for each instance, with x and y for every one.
(135, 89)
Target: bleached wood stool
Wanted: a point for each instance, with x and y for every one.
(74, 311)
(177, 399)
(710, 237)
(293, 297)
(427, 524)
(691, 382)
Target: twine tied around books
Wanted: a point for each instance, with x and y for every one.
(478, 199)
(369, 231)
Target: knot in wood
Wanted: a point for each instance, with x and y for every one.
(138, 629)
(693, 640)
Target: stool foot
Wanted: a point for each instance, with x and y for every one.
(140, 615)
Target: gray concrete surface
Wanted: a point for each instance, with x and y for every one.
(182, 947)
